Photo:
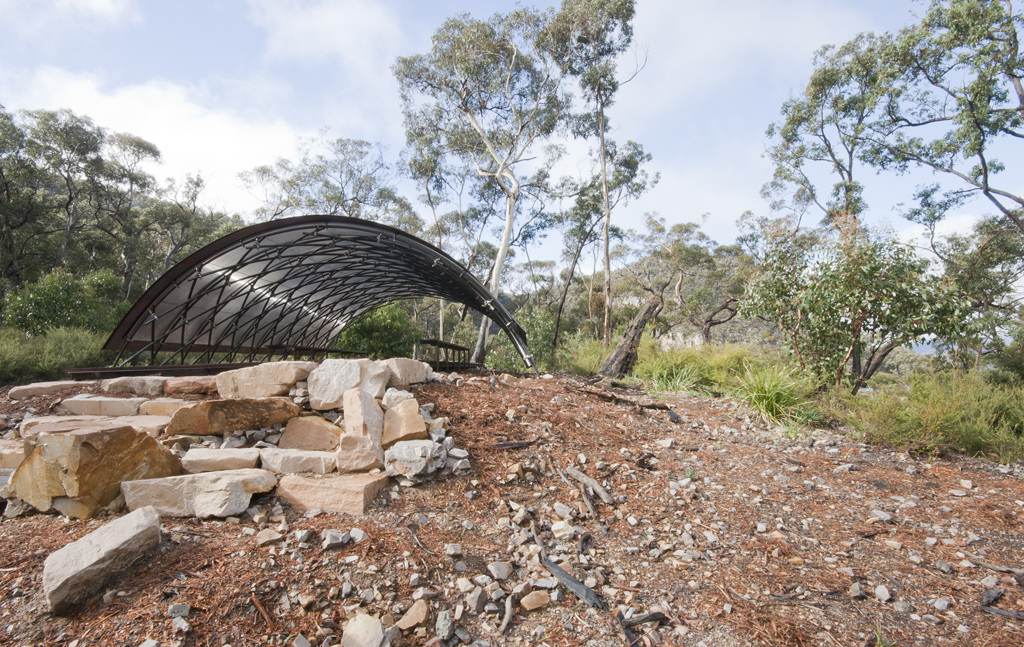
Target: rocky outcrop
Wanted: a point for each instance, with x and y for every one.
(215, 417)
(263, 380)
(202, 459)
(210, 494)
(79, 471)
(403, 422)
(80, 570)
(350, 493)
(311, 433)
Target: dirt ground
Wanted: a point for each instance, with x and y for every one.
(737, 535)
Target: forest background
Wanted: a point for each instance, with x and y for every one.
(514, 163)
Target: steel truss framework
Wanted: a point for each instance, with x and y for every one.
(289, 287)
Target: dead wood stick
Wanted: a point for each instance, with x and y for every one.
(519, 444)
(591, 483)
(1016, 615)
(626, 632)
(994, 567)
(645, 617)
(510, 604)
(417, 539)
(263, 612)
(620, 400)
(586, 499)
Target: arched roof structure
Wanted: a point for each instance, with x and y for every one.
(291, 286)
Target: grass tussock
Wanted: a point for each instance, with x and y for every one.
(26, 359)
(779, 394)
(706, 369)
(940, 411)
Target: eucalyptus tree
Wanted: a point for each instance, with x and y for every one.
(23, 205)
(487, 91)
(588, 36)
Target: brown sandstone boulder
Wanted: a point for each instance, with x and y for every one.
(215, 417)
(263, 380)
(311, 433)
(198, 384)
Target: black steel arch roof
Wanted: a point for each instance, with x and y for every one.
(292, 285)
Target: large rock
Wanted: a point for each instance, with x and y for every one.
(197, 384)
(210, 494)
(264, 380)
(79, 471)
(329, 382)
(87, 404)
(405, 371)
(12, 453)
(81, 569)
(403, 422)
(202, 459)
(297, 461)
(373, 377)
(350, 493)
(162, 407)
(364, 631)
(41, 388)
(393, 396)
(414, 461)
(363, 416)
(214, 417)
(151, 425)
(358, 454)
(139, 385)
(311, 433)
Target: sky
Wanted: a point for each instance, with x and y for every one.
(223, 86)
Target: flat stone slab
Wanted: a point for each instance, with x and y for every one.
(152, 425)
(41, 388)
(210, 494)
(405, 371)
(311, 433)
(140, 384)
(214, 417)
(193, 384)
(87, 404)
(162, 407)
(80, 570)
(202, 459)
(262, 381)
(350, 493)
(297, 461)
(358, 454)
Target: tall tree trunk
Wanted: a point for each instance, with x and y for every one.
(480, 352)
(565, 290)
(623, 358)
(607, 228)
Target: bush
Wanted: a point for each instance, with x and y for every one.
(581, 354)
(778, 393)
(59, 300)
(27, 359)
(939, 411)
(707, 368)
(387, 331)
(539, 327)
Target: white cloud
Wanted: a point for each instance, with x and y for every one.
(219, 143)
(41, 20)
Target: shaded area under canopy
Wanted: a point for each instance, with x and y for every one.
(290, 287)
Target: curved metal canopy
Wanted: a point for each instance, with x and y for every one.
(291, 286)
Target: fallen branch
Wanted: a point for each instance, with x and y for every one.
(614, 399)
(657, 616)
(591, 483)
(519, 444)
(1016, 615)
(630, 638)
(418, 542)
(993, 567)
(263, 612)
(579, 589)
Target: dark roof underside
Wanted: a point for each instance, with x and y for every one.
(289, 286)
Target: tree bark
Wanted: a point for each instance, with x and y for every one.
(607, 228)
(623, 358)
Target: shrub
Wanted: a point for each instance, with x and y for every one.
(385, 332)
(707, 368)
(59, 300)
(26, 359)
(939, 411)
(539, 327)
(581, 354)
(778, 393)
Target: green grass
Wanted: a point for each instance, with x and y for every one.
(26, 359)
(941, 411)
(779, 394)
(706, 369)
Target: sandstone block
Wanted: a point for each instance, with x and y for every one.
(12, 453)
(414, 461)
(86, 404)
(79, 471)
(403, 422)
(363, 416)
(139, 385)
(151, 425)
(328, 383)
(218, 416)
(198, 384)
(202, 459)
(373, 377)
(350, 493)
(297, 461)
(358, 454)
(364, 631)
(262, 381)
(210, 494)
(79, 570)
(311, 433)
(162, 407)
(416, 616)
(393, 396)
(41, 388)
(405, 371)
